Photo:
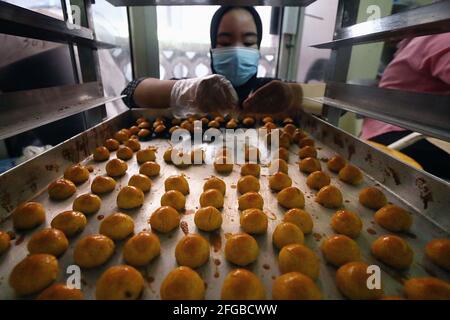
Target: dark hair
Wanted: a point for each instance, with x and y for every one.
(217, 18)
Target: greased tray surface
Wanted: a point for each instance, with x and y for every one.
(213, 273)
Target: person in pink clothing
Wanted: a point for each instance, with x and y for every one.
(421, 64)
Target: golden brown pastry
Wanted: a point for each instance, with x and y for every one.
(351, 175)
(351, 280)
(340, 249)
(295, 286)
(182, 283)
(393, 251)
(101, 154)
(134, 129)
(133, 144)
(59, 291)
(178, 183)
(250, 200)
(116, 167)
(28, 215)
(232, 124)
(103, 184)
(61, 189)
(215, 183)
(329, 197)
(310, 165)
(254, 221)
(112, 144)
(174, 199)
(4, 242)
(241, 249)
(427, 288)
(93, 251)
(300, 218)
(270, 126)
(393, 218)
(306, 141)
(141, 249)
(51, 241)
(284, 140)
(287, 233)
(283, 154)
(248, 184)
(251, 169)
(299, 134)
(372, 198)
(69, 222)
(279, 181)
(144, 134)
(336, 163)
(208, 218)
(124, 134)
(278, 165)
(438, 251)
(241, 284)
(119, 283)
(289, 127)
(307, 152)
(223, 165)
(248, 121)
(117, 226)
(291, 197)
(77, 174)
(140, 181)
(267, 119)
(168, 155)
(87, 203)
(347, 223)
(130, 197)
(145, 155)
(192, 251)
(317, 180)
(124, 153)
(34, 273)
(165, 219)
(211, 197)
(150, 169)
(299, 258)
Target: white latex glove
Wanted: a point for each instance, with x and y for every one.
(206, 95)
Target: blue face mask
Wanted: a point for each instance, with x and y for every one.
(237, 64)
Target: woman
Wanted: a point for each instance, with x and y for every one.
(236, 34)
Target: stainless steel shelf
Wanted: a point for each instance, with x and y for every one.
(25, 110)
(425, 113)
(287, 3)
(431, 19)
(18, 21)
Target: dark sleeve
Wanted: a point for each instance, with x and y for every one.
(129, 92)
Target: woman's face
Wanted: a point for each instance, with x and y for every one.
(237, 29)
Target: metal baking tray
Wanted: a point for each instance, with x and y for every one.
(425, 196)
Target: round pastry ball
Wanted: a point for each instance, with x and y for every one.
(178, 183)
(51, 241)
(283, 154)
(101, 154)
(28, 215)
(34, 273)
(150, 169)
(438, 251)
(133, 144)
(351, 175)
(241, 249)
(124, 153)
(248, 184)
(307, 152)
(130, 197)
(140, 181)
(87, 203)
(306, 142)
(254, 221)
(223, 165)
(299, 134)
(112, 144)
(287, 233)
(119, 283)
(145, 155)
(251, 169)
(248, 121)
(59, 291)
(192, 251)
(77, 174)
(299, 258)
(340, 249)
(4, 242)
(351, 280)
(167, 156)
(291, 197)
(141, 249)
(295, 286)
(117, 226)
(310, 165)
(241, 284)
(208, 218)
(69, 222)
(279, 181)
(182, 283)
(215, 183)
(144, 134)
(347, 223)
(393, 218)
(61, 189)
(122, 135)
(116, 167)
(300, 218)
(174, 199)
(372, 198)
(165, 219)
(329, 197)
(427, 288)
(278, 165)
(93, 251)
(103, 184)
(317, 180)
(336, 163)
(251, 200)
(393, 251)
